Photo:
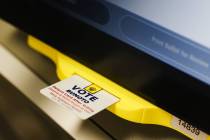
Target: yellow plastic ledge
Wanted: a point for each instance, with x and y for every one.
(130, 107)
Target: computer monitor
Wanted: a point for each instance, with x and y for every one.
(159, 50)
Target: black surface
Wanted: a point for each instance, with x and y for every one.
(85, 8)
(156, 81)
(22, 120)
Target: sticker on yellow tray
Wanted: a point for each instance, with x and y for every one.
(80, 96)
(188, 129)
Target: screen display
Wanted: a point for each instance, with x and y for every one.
(175, 32)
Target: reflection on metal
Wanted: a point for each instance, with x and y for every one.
(29, 84)
(20, 119)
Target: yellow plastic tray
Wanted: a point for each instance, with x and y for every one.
(131, 107)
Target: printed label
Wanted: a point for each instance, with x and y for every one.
(188, 129)
(82, 97)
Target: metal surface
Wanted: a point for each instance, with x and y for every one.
(29, 84)
(22, 120)
(101, 126)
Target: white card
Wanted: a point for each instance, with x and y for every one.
(79, 95)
